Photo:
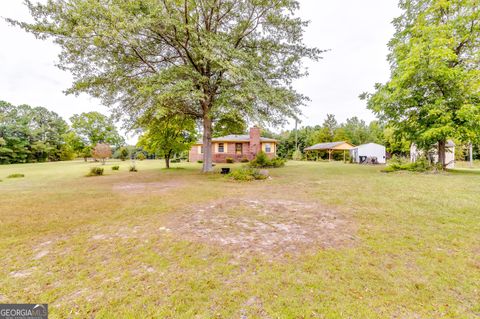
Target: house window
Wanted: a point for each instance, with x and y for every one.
(200, 149)
(221, 147)
(268, 148)
(239, 148)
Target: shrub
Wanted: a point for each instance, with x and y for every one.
(133, 168)
(244, 160)
(297, 155)
(175, 160)
(141, 156)
(115, 168)
(17, 175)
(95, 171)
(277, 162)
(200, 162)
(398, 160)
(229, 160)
(262, 161)
(123, 153)
(422, 165)
(248, 174)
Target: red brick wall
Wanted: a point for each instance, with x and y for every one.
(249, 152)
(255, 145)
(194, 155)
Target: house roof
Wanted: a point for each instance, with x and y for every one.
(330, 146)
(237, 138)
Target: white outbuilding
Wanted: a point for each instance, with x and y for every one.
(369, 153)
(432, 155)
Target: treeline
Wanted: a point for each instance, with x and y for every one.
(356, 132)
(35, 134)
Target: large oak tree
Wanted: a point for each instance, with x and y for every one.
(199, 58)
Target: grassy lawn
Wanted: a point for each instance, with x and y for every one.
(318, 240)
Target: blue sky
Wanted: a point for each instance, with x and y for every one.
(355, 32)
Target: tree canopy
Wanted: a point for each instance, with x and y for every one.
(353, 130)
(168, 136)
(94, 128)
(434, 90)
(203, 59)
(30, 134)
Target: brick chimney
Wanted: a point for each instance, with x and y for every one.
(255, 145)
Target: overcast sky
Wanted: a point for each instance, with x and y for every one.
(355, 32)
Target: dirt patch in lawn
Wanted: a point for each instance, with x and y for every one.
(140, 188)
(270, 227)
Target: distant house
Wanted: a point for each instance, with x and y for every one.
(330, 148)
(237, 147)
(432, 155)
(360, 154)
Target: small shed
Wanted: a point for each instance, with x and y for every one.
(330, 148)
(416, 153)
(362, 153)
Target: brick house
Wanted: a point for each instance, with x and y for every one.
(237, 147)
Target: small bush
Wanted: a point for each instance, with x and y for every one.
(175, 160)
(17, 175)
(115, 168)
(262, 161)
(95, 171)
(200, 162)
(248, 174)
(133, 168)
(244, 160)
(422, 165)
(123, 153)
(141, 156)
(297, 155)
(229, 160)
(277, 162)
(398, 160)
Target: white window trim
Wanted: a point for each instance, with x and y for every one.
(218, 148)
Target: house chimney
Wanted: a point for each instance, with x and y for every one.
(255, 145)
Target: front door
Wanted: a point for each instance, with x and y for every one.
(239, 148)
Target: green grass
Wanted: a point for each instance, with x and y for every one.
(96, 247)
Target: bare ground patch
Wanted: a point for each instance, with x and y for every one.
(141, 188)
(270, 227)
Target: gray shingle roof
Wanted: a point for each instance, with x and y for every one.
(237, 138)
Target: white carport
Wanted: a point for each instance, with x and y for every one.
(371, 151)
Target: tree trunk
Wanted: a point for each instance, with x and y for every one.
(207, 144)
(470, 154)
(167, 162)
(167, 159)
(441, 153)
